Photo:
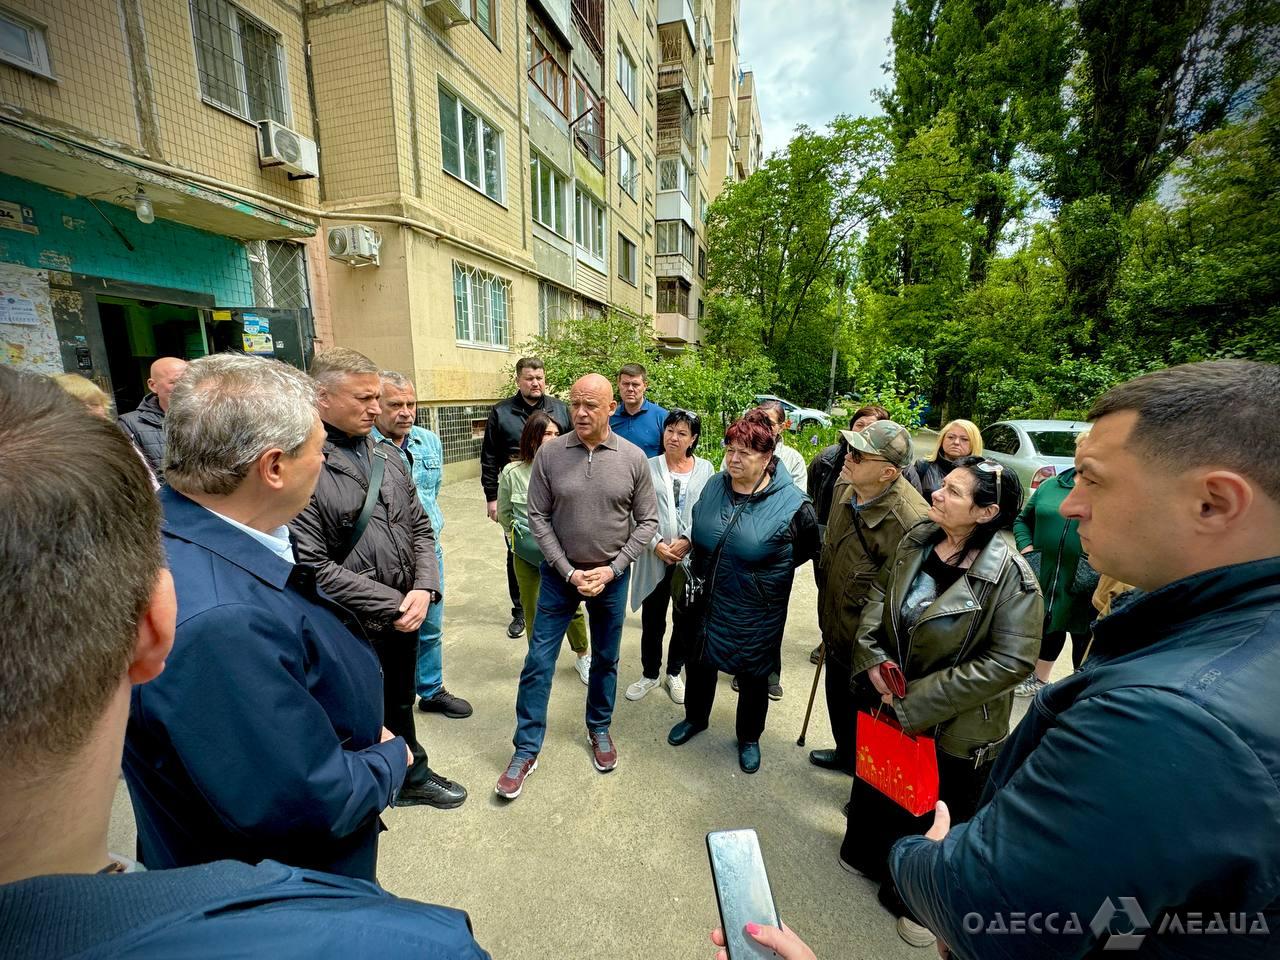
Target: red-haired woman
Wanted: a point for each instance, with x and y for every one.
(752, 527)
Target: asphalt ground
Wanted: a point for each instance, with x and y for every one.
(586, 865)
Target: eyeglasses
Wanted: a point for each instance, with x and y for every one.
(990, 466)
(857, 456)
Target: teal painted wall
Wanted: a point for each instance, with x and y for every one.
(74, 239)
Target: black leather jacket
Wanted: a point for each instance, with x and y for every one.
(502, 435)
(145, 427)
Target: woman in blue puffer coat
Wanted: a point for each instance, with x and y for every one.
(768, 528)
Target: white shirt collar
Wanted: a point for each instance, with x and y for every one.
(277, 541)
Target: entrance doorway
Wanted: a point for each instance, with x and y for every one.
(136, 333)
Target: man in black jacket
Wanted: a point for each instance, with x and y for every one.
(145, 425)
(502, 443)
(384, 572)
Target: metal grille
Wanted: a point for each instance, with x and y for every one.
(279, 274)
(239, 60)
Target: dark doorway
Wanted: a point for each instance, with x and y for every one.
(136, 333)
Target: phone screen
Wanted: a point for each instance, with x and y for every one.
(742, 890)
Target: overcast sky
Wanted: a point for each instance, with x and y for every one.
(813, 60)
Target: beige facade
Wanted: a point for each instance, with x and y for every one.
(142, 218)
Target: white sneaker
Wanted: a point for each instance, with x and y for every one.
(915, 934)
(641, 687)
(1029, 687)
(675, 687)
(583, 666)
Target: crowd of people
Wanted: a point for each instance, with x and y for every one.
(252, 562)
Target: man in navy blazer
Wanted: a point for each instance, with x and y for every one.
(263, 738)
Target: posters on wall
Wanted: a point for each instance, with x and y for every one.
(28, 338)
(257, 335)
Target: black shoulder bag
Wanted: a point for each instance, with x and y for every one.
(689, 591)
(377, 468)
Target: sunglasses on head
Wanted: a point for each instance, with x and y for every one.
(990, 466)
(695, 421)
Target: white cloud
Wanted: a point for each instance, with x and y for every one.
(813, 60)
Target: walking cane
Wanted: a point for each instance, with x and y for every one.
(822, 656)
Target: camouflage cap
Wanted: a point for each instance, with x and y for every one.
(884, 438)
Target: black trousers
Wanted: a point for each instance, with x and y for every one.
(653, 625)
(1053, 642)
(398, 654)
(513, 587)
(843, 704)
(876, 823)
(700, 694)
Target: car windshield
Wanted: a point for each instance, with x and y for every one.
(1054, 443)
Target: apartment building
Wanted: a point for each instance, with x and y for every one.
(736, 133)
(142, 212)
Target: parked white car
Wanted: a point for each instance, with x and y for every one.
(1033, 449)
(800, 417)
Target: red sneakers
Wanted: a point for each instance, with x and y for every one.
(604, 755)
(512, 782)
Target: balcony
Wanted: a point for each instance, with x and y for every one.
(589, 15)
(678, 61)
(675, 122)
(673, 266)
(674, 205)
(674, 327)
(679, 11)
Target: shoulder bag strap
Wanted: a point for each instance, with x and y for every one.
(379, 465)
(715, 555)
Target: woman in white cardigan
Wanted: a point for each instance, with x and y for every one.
(678, 479)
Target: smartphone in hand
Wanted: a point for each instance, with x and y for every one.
(742, 890)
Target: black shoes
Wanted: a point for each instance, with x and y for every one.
(455, 708)
(437, 791)
(516, 626)
(829, 760)
(682, 733)
(749, 757)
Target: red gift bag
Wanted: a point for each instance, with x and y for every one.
(902, 767)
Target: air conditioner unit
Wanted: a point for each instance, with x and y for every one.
(278, 146)
(455, 12)
(355, 244)
(706, 106)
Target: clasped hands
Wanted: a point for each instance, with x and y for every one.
(670, 553)
(591, 583)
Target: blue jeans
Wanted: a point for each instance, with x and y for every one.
(557, 601)
(430, 655)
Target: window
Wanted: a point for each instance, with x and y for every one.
(588, 227)
(706, 153)
(554, 305)
(480, 307)
(485, 16)
(23, 44)
(626, 259)
(589, 130)
(470, 146)
(279, 271)
(1002, 439)
(673, 174)
(675, 236)
(240, 62)
(628, 171)
(546, 62)
(702, 262)
(549, 190)
(702, 207)
(626, 74)
(673, 296)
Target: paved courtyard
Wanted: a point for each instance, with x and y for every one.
(586, 865)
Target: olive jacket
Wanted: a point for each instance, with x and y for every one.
(976, 642)
(858, 544)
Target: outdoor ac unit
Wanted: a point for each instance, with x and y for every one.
(278, 146)
(454, 11)
(355, 244)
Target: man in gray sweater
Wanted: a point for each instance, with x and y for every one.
(592, 510)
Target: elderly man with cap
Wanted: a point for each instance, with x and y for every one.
(872, 507)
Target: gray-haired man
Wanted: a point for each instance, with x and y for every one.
(211, 776)
(381, 567)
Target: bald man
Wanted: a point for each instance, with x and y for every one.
(592, 510)
(145, 426)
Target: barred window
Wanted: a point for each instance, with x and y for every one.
(279, 270)
(240, 62)
(481, 307)
(554, 305)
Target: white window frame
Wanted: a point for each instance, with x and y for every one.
(559, 224)
(674, 238)
(483, 165)
(627, 74)
(590, 230)
(37, 40)
(627, 254)
(706, 154)
(684, 174)
(628, 169)
(235, 26)
(476, 293)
